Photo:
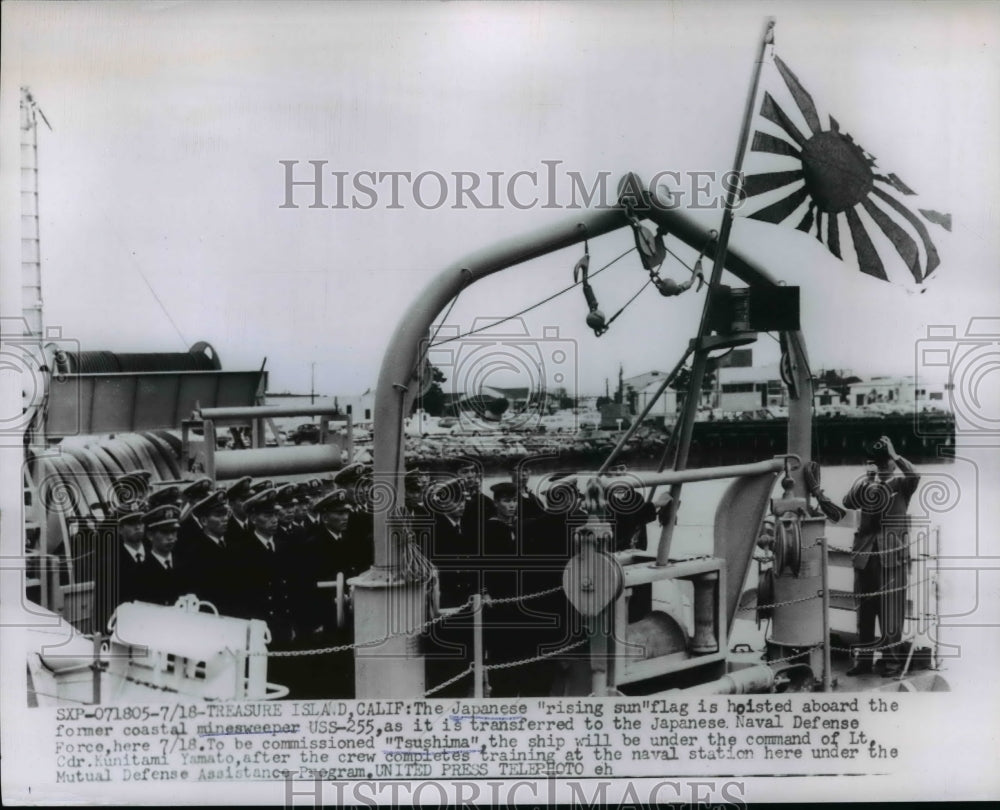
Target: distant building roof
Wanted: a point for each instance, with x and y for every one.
(640, 381)
(653, 386)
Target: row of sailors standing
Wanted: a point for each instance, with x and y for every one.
(257, 551)
(253, 550)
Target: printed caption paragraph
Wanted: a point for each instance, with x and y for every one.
(535, 739)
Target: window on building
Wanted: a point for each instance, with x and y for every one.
(737, 388)
(936, 395)
(350, 409)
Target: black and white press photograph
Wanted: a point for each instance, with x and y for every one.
(488, 402)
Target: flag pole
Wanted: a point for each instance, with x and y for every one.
(731, 196)
(700, 361)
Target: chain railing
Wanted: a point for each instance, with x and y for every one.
(487, 601)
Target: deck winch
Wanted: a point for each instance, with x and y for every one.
(646, 620)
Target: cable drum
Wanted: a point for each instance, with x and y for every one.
(200, 357)
(82, 482)
(166, 455)
(95, 471)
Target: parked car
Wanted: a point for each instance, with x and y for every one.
(307, 433)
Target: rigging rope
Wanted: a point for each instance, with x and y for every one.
(528, 309)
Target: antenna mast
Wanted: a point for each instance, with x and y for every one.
(31, 260)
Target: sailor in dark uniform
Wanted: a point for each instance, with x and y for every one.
(414, 489)
(260, 486)
(169, 495)
(263, 568)
(287, 499)
(191, 494)
(453, 548)
(630, 513)
(501, 535)
(118, 577)
(236, 495)
(529, 505)
(455, 552)
(356, 481)
(478, 507)
(162, 580)
(301, 523)
(207, 556)
(270, 575)
(327, 483)
(132, 552)
(331, 550)
(519, 562)
(881, 557)
(503, 631)
(312, 490)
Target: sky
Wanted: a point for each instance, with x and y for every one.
(162, 187)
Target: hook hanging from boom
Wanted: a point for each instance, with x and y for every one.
(595, 318)
(667, 287)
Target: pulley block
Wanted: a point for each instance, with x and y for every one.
(788, 545)
(592, 580)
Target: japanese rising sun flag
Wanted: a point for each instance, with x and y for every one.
(815, 178)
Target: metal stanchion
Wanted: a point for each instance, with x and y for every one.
(477, 645)
(936, 582)
(825, 569)
(95, 668)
